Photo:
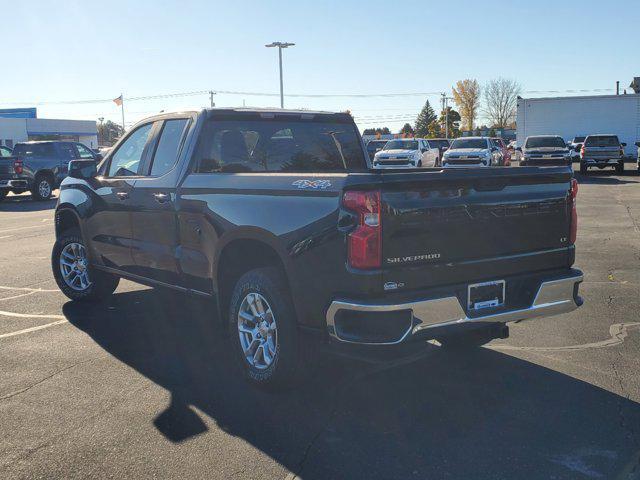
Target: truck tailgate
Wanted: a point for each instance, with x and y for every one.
(446, 227)
(6, 166)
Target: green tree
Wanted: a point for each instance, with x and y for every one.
(376, 130)
(453, 118)
(434, 130)
(109, 132)
(407, 130)
(426, 116)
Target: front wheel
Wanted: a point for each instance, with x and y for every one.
(77, 279)
(263, 329)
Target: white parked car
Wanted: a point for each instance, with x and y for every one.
(407, 153)
(472, 152)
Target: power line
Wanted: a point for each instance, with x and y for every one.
(269, 94)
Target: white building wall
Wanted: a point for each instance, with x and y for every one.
(14, 130)
(580, 116)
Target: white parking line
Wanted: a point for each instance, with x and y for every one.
(32, 329)
(22, 228)
(27, 289)
(60, 320)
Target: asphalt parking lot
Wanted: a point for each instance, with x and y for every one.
(141, 387)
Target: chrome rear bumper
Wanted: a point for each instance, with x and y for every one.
(554, 297)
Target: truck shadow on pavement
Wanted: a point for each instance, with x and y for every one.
(24, 203)
(479, 414)
(608, 178)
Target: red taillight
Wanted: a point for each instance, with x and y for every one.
(582, 152)
(573, 193)
(364, 243)
(17, 166)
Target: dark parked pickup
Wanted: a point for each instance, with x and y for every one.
(39, 167)
(278, 217)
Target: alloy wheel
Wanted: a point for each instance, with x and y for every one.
(74, 266)
(257, 331)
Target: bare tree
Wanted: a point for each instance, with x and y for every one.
(501, 99)
(466, 94)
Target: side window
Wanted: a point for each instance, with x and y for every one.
(126, 160)
(67, 151)
(84, 152)
(426, 145)
(167, 151)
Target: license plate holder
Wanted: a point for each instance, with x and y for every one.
(486, 295)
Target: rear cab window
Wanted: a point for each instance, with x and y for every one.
(274, 143)
(34, 150)
(602, 141)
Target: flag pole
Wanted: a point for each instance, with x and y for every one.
(122, 107)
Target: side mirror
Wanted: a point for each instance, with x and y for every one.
(83, 169)
(99, 157)
(638, 144)
(494, 149)
(623, 144)
(519, 149)
(423, 150)
(577, 147)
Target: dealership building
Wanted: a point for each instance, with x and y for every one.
(23, 124)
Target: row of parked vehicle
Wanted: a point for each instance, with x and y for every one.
(439, 152)
(541, 150)
(39, 167)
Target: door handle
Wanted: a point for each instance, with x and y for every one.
(122, 195)
(161, 197)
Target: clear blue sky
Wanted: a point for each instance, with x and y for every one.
(68, 50)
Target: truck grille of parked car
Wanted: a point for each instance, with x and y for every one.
(393, 162)
(466, 161)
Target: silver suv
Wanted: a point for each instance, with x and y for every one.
(602, 151)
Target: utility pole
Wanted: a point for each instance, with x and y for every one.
(100, 133)
(618, 87)
(280, 46)
(445, 109)
(211, 94)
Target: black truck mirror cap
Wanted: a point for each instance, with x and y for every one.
(82, 169)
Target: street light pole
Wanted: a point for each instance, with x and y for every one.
(280, 46)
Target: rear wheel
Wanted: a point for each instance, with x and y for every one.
(263, 329)
(43, 188)
(583, 168)
(3, 194)
(77, 279)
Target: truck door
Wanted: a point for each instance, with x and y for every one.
(153, 217)
(109, 228)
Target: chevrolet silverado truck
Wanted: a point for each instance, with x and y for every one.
(602, 151)
(279, 219)
(544, 150)
(39, 167)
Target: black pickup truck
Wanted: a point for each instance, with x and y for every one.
(278, 217)
(39, 167)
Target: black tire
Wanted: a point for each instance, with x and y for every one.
(102, 284)
(583, 168)
(419, 164)
(288, 362)
(3, 194)
(620, 168)
(42, 188)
